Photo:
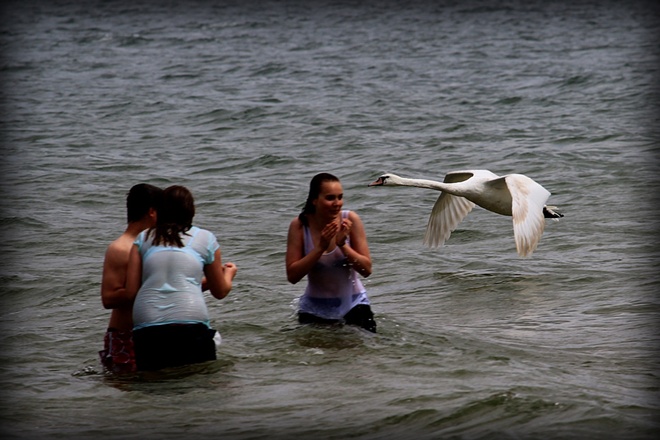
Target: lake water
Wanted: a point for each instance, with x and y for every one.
(243, 102)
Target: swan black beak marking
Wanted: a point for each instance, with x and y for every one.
(378, 182)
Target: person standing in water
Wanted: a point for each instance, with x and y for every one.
(169, 267)
(329, 246)
(141, 211)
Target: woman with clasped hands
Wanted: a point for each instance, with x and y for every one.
(329, 246)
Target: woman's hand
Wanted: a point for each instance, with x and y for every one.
(230, 270)
(327, 234)
(344, 232)
(219, 276)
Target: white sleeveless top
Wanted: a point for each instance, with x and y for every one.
(333, 286)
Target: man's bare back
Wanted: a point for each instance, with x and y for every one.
(114, 281)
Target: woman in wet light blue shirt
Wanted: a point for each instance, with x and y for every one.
(169, 267)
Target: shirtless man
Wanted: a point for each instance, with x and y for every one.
(141, 206)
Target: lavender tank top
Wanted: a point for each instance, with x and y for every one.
(333, 286)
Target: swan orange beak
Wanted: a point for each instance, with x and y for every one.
(378, 182)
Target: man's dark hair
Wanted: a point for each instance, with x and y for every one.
(140, 199)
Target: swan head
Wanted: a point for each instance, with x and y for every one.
(387, 179)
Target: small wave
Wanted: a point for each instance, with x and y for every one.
(575, 81)
(509, 101)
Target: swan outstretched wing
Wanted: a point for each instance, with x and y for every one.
(462, 176)
(447, 213)
(458, 176)
(528, 199)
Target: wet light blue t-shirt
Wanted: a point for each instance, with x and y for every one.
(171, 291)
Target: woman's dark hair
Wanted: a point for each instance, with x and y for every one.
(174, 216)
(314, 191)
(140, 199)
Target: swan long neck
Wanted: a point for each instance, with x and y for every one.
(423, 183)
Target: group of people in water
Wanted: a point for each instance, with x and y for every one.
(155, 273)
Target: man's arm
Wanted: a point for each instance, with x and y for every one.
(113, 291)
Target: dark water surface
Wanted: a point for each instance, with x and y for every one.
(243, 102)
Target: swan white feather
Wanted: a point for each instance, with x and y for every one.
(514, 195)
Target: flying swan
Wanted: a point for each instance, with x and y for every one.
(515, 195)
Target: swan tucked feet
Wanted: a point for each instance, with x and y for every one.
(549, 212)
(514, 195)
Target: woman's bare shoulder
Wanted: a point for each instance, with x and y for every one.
(353, 215)
(296, 222)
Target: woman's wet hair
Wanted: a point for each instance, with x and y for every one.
(174, 216)
(314, 191)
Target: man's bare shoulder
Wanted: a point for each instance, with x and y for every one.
(121, 245)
